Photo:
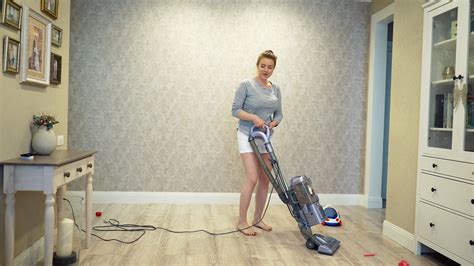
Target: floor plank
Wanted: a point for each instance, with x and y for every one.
(361, 232)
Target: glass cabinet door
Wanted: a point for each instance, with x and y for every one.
(469, 126)
(443, 63)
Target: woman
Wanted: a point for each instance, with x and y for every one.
(257, 102)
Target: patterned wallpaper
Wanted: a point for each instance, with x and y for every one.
(152, 83)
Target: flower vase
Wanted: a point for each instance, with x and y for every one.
(44, 141)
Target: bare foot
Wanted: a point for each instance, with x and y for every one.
(263, 226)
(245, 229)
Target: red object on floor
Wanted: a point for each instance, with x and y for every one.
(369, 254)
(98, 214)
(403, 263)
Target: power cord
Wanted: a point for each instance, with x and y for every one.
(115, 225)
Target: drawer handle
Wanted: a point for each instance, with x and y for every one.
(471, 242)
(432, 224)
(79, 169)
(433, 189)
(434, 165)
(472, 201)
(67, 174)
(89, 165)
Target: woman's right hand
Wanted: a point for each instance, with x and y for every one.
(258, 122)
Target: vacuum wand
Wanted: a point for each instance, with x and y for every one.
(300, 197)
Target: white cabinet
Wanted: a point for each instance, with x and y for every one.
(445, 179)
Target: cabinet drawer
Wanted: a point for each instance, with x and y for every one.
(452, 168)
(81, 167)
(65, 174)
(447, 230)
(449, 193)
(90, 165)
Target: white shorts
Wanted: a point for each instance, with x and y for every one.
(244, 144)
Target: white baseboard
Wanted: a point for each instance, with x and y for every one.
(372, 202)
(399, 235)
(32, 255)
(104, 197)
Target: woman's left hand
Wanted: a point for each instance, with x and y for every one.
(272, 124)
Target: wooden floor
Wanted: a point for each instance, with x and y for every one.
(360, 232)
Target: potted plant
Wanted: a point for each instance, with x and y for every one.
(44, 138)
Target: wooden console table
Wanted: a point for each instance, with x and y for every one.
(46, 174)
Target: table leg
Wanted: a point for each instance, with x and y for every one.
(60, 194)
(88, 210)
(49, 229)
(9, 228)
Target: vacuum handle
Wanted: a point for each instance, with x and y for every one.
(256, 132)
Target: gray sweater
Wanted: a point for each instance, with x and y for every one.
(253, 98)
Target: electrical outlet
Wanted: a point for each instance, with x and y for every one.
(60, 140)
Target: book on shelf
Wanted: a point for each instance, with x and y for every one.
(470, 109)
(449, 102)
(443, 111)
(470, 115)
(438, 111)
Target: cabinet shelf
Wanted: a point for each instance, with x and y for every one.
(441, 129)
(451, 43)
(470, 130)
(446, 44)
(444, 82)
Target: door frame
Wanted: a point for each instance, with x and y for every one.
(376, 106)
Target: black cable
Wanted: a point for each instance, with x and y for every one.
(224, 233)
(114, 226)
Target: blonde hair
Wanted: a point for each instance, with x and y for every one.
(267, 54)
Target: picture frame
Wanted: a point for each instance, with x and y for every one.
(56, 36)
(11, 55)
(56, 66)
(35, 48)
(11, 14)
(50, 8)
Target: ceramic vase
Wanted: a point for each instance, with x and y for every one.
(44, 141)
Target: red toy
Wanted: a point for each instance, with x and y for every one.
(98, 214)
(333, 218)
(403, 263)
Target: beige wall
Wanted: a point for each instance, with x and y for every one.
(18, 102)
(404, 113)
(377, 5)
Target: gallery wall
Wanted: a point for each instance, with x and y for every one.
(18, 103)
(152, 83)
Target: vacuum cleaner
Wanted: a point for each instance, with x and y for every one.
(302, 201)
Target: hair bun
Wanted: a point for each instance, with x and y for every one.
(267, 54)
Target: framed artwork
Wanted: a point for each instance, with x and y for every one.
(50, 8)
(11, 14)
(56, 36)
(11, 55)
(55, 75)
(35, 48)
